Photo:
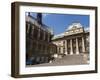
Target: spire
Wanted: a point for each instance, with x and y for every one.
(39, 18)
(28, 13)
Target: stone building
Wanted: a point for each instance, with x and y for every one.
(39, 47)
(75, 40)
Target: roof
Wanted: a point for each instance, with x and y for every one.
(74, 26)
(34, 21)
(58, 36)
(69, 30)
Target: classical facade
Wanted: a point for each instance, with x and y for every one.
(75, 40)
(39, 47)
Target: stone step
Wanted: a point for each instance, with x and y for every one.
(66, 60)
(70, 59)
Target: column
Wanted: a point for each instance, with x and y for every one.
(66, 47)
(71, 48)
(77, 48)
(83, 45)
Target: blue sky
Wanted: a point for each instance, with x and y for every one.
(60, 22)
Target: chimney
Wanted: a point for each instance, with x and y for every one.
(39, 18)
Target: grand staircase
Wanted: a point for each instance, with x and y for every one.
(67, 60)
(71, 60)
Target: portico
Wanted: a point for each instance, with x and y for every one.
(72, 41)
(74, 46)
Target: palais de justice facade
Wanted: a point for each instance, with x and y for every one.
(75, 40)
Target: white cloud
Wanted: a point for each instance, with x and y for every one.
(87, 29)
(45, 15)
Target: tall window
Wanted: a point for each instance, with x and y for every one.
(34, 46)
(64, 50)
(74, 45)
(74, 49)
(46, 36)
(59, 50)
(80, 49)
(41, 34)
(50, 37)
(80, 42)
(64, 43)
(26, 27)
(35, 33)
(68, 45)
(30, 29)
(68, 50)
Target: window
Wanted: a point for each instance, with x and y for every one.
(46, 36)
(35, 33)
(63, 42)
(64, 50)
(74, 42)
(41, 34)
(74, 49)
(30, 29)
(59, 50)
(68, 50)
(26, 27)
(80, 49)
